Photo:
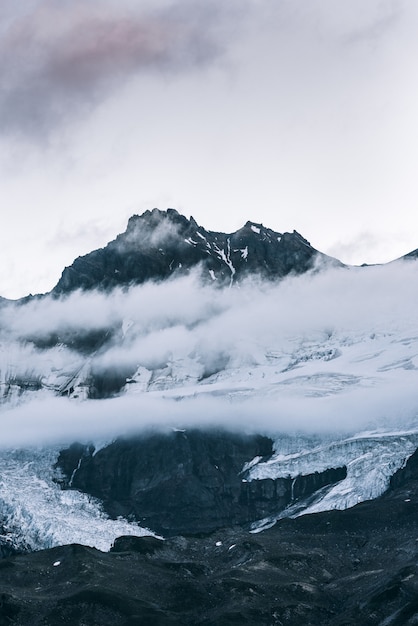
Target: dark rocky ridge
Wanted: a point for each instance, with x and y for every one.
(185, 482)
(159, 244)
(338, 568)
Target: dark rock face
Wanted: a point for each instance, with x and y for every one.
(406, 474)
(185, 482)
(6, 547)
(267, 497)
(159, 244)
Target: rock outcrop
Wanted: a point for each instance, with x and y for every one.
(159, 244)
(185, 482)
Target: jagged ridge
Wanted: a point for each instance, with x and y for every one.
(158, 244)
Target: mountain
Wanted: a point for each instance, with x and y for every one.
(156, 246)
(159, 244)
(203, 428)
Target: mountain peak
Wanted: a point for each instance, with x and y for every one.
(154, 216)
(152, 219)
(158, 244)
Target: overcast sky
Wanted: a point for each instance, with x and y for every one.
(300, 114)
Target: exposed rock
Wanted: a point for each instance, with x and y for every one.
(143, 545)
(159, 244)
(185, 482)
(407, 472)
(6, 546)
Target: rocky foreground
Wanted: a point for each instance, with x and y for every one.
(357, 566)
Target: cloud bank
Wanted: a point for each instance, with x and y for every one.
(335, 351)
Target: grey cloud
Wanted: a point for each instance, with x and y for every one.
(58, 62)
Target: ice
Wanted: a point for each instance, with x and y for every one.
(255, 229)
(37, 514)
(371, 459)
(250, 464)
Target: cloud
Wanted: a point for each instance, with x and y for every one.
(59, 62)
(334, 351)
(158, 231)
(59, 420)
(357, 249)
(385, 19)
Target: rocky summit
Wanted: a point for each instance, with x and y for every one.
(159, 244)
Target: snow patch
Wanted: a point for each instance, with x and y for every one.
(226, 257)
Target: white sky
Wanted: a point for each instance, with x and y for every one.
(300, 114)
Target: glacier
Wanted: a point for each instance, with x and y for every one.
(36, 514)
(371, 459)
(325, 364)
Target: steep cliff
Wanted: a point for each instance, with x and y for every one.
(186, 482)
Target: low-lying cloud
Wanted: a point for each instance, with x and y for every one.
(333, 351)
(59, 420)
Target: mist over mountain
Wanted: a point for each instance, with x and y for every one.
(182, 381)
